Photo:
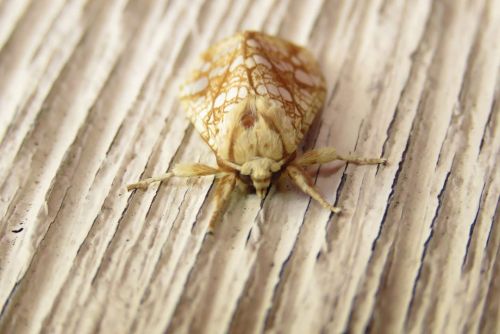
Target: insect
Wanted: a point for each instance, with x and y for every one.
(252, 99)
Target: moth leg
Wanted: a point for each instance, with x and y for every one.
(242, 186)
(223, 188)
(304, 182)
(327, 154)
(281, 183)
(182, 170)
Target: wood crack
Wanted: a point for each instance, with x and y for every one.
(90, 102)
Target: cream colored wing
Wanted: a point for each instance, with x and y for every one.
(252, 63)
(290, 75)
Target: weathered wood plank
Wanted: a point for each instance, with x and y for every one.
(88, 103)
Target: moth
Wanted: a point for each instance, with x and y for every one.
(252, 99)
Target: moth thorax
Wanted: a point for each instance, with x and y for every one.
(260, 171)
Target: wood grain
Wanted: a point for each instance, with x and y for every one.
(88, 104)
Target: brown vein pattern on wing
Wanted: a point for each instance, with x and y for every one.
(287, 59)
(258, 64)
(214, 67)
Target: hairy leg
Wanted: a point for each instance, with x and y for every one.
(303, 181)
(223, 188)
(182, 170)
(327, 154)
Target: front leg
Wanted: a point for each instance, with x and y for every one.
(304, 182)
(224, 186)
(182, 170)
(328, 154)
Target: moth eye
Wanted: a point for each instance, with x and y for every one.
(246, 179)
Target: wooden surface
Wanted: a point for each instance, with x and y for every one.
(88, 103)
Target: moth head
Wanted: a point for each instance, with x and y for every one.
(260, 171)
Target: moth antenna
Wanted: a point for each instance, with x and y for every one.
(182, 170)
(303, 181)
(223, 188)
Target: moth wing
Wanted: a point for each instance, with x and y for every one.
(253, 63)
(203, 94)
(301, 86)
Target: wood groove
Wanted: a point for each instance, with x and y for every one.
(88, 103)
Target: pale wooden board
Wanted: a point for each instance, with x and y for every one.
(88, 103)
